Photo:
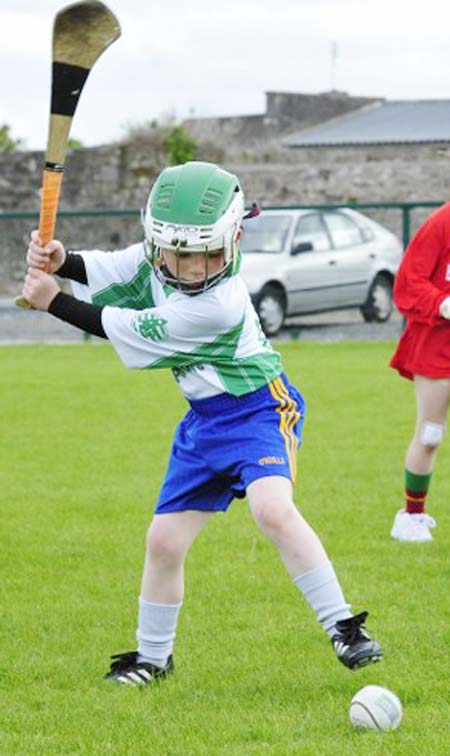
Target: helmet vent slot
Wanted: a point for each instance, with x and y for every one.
(164, 196)
(209, 202)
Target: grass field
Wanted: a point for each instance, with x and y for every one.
(83, 447)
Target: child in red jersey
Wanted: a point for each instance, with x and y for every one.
(422, 294)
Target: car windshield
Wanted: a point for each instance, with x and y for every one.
(265, 233)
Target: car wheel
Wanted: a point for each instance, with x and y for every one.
(379, 303)
(271, 308)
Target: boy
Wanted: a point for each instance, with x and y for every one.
(177, 301)
(422, 294)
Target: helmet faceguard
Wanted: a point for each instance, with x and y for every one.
(195, 208)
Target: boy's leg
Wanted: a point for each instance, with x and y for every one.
(307, 563)
(432, 400)
(169, 538)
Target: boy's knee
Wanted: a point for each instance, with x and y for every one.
(272, 513)
(431, 434)
(162, 546)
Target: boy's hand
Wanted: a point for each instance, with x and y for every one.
(49, 258)
(39, 289)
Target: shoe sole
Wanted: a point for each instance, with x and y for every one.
(397, 537)
(366, 661)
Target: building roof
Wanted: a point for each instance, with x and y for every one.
(392, 122)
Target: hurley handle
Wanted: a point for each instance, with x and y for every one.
(51, 188)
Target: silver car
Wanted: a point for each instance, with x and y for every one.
(298, 262)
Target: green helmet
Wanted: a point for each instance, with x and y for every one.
(196, 208)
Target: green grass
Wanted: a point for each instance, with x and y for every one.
(84, 445)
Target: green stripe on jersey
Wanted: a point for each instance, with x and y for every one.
(136, 294)
(223, 347)
(240, 375)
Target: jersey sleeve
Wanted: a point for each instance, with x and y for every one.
(182, 332)
(120, 278)
(415, 294)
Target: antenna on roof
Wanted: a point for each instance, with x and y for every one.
(333, 55)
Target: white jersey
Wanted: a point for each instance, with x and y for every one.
(213, 341)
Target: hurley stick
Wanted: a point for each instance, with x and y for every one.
(81, 32)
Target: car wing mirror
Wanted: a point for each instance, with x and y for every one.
(297, 249)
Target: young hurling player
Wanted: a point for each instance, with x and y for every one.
(176, 300)
(422, 294)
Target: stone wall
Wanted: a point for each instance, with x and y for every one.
(119, 176)
(113, 176)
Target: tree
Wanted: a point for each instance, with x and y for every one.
(7, 143)
(164, 141)
(74, 144)
(180, 146)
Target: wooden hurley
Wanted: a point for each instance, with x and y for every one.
(81, 32)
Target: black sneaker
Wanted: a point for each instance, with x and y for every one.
(353, 646)
(127, 670)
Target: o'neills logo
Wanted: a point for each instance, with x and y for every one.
(271, 461)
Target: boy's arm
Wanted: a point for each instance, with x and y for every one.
(120, 278)
(160, 336)
(415, 294)
(83, 315)
(41, 290)
(73, 268)
(183, 331)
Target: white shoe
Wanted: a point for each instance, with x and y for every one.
(412, 527)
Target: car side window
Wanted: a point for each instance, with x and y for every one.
(310, 229)
(265, 233)
(343, 231)
(366, 233)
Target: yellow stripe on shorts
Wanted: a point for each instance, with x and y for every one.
(288, 419)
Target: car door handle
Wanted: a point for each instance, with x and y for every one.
(372, 255)
(332, 262)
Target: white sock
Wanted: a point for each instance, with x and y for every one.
(323, 593)
(157, 624)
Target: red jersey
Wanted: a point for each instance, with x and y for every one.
(421, 284)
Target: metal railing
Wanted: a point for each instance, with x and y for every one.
(405, 208)
(125, 223)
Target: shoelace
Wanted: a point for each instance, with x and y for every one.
(352, 630)
(424, 519)
(124, 660)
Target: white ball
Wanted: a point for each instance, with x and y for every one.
(375, 708)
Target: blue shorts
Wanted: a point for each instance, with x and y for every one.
(224, 443)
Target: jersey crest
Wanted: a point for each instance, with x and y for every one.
(150, 327)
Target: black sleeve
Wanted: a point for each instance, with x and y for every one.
(73, 268)
(83, 315)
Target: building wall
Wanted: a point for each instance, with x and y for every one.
(286, 112)
(308, 109)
